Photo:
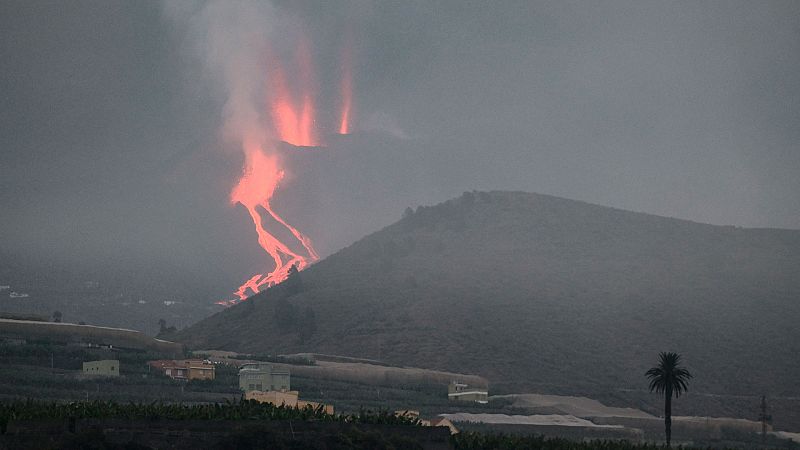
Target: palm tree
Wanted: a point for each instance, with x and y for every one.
(668, 378)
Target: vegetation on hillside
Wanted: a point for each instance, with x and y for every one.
(239, 410)
(33, 411)
(536, 292)
(248, 410)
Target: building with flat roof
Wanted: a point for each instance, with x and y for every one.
(263, 377)
(184, 369)
(103, 368)
(464, 393)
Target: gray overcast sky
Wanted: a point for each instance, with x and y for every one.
(112, 150)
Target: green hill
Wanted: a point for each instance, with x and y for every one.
(545, 294)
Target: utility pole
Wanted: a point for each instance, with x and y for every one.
(764, 418)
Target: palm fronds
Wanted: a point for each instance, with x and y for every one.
(668, 376)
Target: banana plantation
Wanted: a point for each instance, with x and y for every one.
(31, 410)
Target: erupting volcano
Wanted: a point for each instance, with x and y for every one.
(292, 110)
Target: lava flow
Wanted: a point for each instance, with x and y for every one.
(255, 189)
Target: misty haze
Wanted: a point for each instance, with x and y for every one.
(371, 224)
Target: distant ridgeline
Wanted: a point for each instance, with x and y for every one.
(28, 329)
(24, 316)
(544, 294)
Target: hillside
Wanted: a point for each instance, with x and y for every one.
(545, 294)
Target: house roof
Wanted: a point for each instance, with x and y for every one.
(181, 364)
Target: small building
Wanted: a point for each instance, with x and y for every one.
(263, 377)
(464, 393)
(104, 368)
(285, 398)
(184, 369)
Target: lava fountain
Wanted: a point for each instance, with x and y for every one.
(346, 89)
(293, 121)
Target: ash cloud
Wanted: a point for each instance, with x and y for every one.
(229, 39)
(112, 111)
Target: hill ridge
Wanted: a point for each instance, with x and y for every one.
(531, 290)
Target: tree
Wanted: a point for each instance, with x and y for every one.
(57, 316)
(668, 378)
(293, 283)
(293, 271)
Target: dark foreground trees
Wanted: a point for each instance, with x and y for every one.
(668, 378)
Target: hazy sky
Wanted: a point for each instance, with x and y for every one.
(113, 149)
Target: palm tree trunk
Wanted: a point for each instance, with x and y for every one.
(668, 414)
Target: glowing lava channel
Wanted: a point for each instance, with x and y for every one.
(255, 189)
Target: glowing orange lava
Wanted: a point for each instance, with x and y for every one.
(344, 127)
(292, 124)
(255, 189)
(292, 110)
(346, 89)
